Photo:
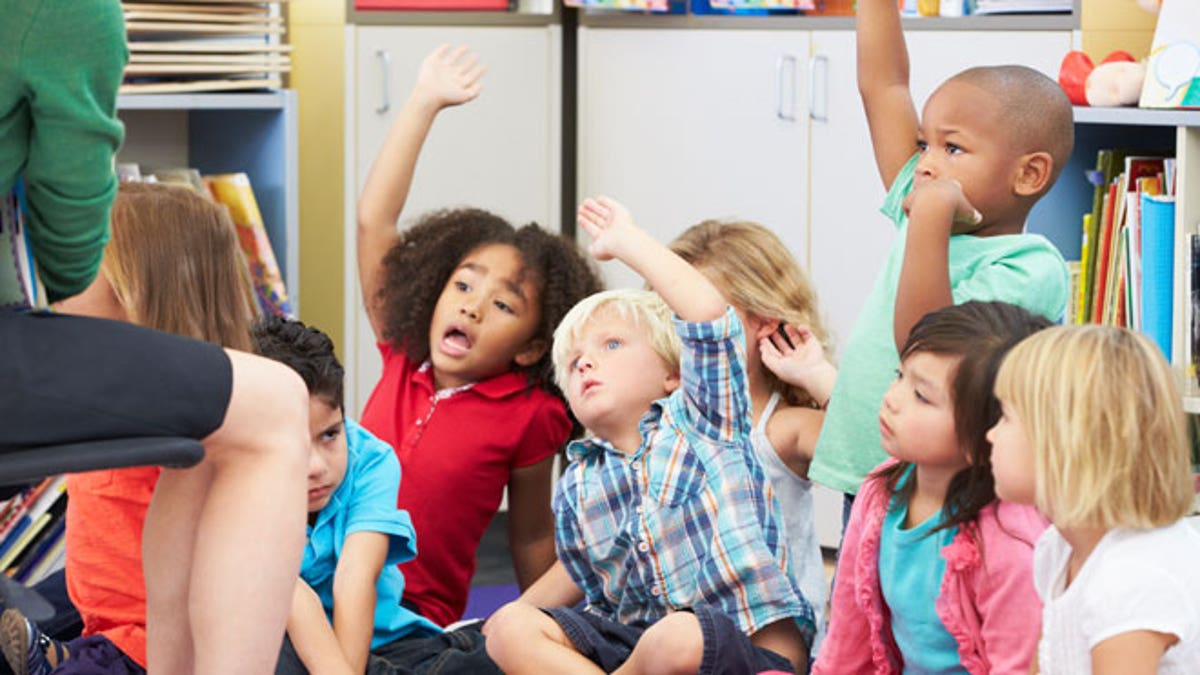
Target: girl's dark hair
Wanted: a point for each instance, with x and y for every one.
(417, 268)
(979, 334)
(307, 351)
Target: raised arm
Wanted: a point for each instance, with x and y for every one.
(446, 78)
(883, 85)
(615, 236)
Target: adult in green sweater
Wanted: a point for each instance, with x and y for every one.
(223, 539)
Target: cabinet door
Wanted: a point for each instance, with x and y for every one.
(499, 152)
(684, 125)
(850, 238)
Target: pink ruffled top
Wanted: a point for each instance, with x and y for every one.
(987, 600)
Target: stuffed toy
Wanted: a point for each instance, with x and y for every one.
(1116, 81)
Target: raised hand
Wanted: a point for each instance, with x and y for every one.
(449, 77)
(801, 363)
(609, 224)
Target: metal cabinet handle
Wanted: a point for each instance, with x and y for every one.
(385, 63)
(813, 62)
(788, 114)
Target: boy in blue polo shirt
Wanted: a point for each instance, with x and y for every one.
(347, 615)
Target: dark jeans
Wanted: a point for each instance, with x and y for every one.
(608, 644)
(459, 652)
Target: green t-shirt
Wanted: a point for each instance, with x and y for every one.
(1023, 269)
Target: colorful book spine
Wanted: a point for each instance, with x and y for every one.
(234, 191)
(1158, 265)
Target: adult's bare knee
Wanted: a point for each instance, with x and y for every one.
(268, 410)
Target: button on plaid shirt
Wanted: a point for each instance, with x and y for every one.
(689, 518)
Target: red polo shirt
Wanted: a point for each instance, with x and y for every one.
(456, 448)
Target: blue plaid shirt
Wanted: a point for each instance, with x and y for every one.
(688, 519)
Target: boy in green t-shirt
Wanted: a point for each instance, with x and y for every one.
(962, 180)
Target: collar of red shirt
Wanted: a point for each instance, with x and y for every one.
(501, 386)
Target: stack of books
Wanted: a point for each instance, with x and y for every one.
(31, 531)
(1127, 267)
(204, 45)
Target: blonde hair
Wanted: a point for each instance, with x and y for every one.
(1101, 410)
(175, 265)
(643, 308)
(757, 273)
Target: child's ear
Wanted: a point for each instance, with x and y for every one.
(671, 383)
(1033, 173)
(533, 350)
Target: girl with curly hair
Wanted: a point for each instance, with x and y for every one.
(463, 306)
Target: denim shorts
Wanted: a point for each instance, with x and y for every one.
(608, 644)
(456, 652)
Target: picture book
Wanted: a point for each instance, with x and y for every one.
(1173, 66)
(234, 191)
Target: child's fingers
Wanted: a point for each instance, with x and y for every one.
(467, 62)
(594, 210)
(472, 76)
(768, 350)
(456, 57)
(796, 334)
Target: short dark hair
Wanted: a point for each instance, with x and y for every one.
(1036, 108)
(980, 334)
(306, 350)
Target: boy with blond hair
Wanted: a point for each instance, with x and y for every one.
(962, 179)
(665, 523)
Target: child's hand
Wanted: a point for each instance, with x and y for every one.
(609, 224)
(797, 363)
(943, 194)
(449, 78)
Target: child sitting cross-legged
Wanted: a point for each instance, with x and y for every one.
(665, 522)
(346, 614)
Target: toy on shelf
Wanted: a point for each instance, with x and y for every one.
(1117, 81)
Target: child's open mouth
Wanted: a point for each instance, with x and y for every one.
(455, 342)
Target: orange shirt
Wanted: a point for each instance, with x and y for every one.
(105, 514)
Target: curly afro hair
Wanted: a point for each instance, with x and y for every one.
(416, 269)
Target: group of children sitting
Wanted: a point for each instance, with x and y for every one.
(1015, 490)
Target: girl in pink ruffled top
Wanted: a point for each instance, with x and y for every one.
(935, 573)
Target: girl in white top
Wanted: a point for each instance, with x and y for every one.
(788, 389)
(1092, 431)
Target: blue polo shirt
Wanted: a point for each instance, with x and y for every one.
(366, 502)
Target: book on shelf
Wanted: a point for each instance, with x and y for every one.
(1126, 272)
(1192, 308)
(20, 287)
(436, 5)
(42, 505)
(1021, 6)
(1158, 268)
(234, 191)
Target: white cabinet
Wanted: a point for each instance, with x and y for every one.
(500, 152)
(683, 125)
